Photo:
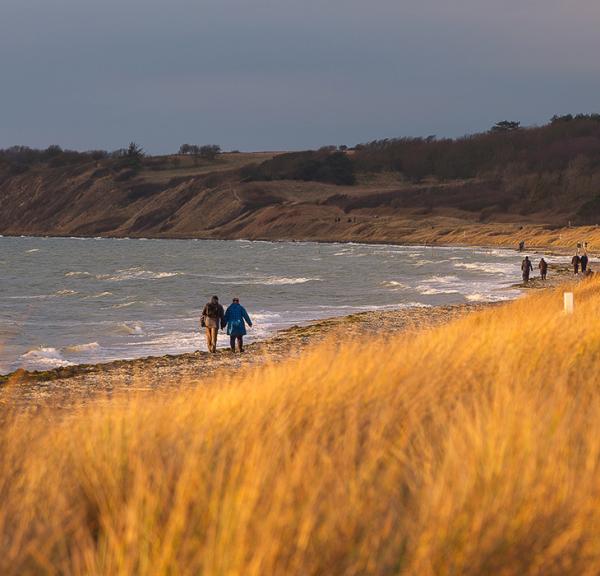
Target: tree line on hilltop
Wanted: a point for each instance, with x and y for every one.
(567, 148)
(19, 159)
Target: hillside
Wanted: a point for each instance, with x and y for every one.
(491, 188)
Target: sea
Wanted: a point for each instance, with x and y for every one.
(66, 301)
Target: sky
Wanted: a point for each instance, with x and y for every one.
(288, 75)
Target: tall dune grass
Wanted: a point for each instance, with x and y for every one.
(473, 448)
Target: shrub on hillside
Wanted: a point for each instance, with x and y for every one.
(320, 166)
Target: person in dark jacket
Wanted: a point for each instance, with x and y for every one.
(236, 319)
(526, 268)
(543, 266)
(584, 262)
(576, 261)
(212, 318)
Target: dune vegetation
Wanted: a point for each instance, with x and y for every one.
(472, 448)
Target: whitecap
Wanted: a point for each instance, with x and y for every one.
(136, 274)
(433, 291)
(123, 305)
(394, 284)
(66, 292)
(488, 268)
(43, 358)
(133, 328)
(82, 347)
(270, 281)
(425, 262)
(99, 295)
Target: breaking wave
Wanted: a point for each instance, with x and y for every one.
(133, 328)
(394, 284)
(75, 348)
(269, 281)
(440, 285)
(65, 292)
(488, 268)
(44, 358)
(136, 274)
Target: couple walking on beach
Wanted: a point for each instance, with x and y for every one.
(235, 318)
(527, 268)
(578, 261)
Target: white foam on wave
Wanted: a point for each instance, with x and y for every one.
(99, 295)
(488, 297)
(77, 273)
(43, 358)
(275, 281)
(477, 297)
(132, 328)
(136, 273)
(66, 292)
(32, 250)
(265, 316)
(434, 291)
(424, 262)
(123, 305)
(347, 308)
(269, 281)
(34, 297)
(440, 285)
(75, 348)
(502, 253)
(394, 284)
(488, 268)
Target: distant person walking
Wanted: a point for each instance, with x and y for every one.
(584, 262)
(212, 318)
(521, 245)
(576, 261)
(526, 268)
(236, 319)
(543, 266)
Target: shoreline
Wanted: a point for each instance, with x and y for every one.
(309, 331)
(559, 250)
(74, 385)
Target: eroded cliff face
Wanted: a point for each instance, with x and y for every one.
(96, 199)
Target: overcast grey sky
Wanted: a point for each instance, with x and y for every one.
(282, 74)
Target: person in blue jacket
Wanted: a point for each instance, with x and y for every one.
(236, 319)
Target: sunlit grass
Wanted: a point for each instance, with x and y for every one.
(473, 448)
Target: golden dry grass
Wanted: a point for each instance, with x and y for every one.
(473, 448)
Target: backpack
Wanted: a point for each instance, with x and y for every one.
(212, 310)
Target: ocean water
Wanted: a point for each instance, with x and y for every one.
(68, 301)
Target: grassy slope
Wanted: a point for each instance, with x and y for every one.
(177, 197)
(473, 448)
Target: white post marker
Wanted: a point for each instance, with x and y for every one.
(569, 302)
